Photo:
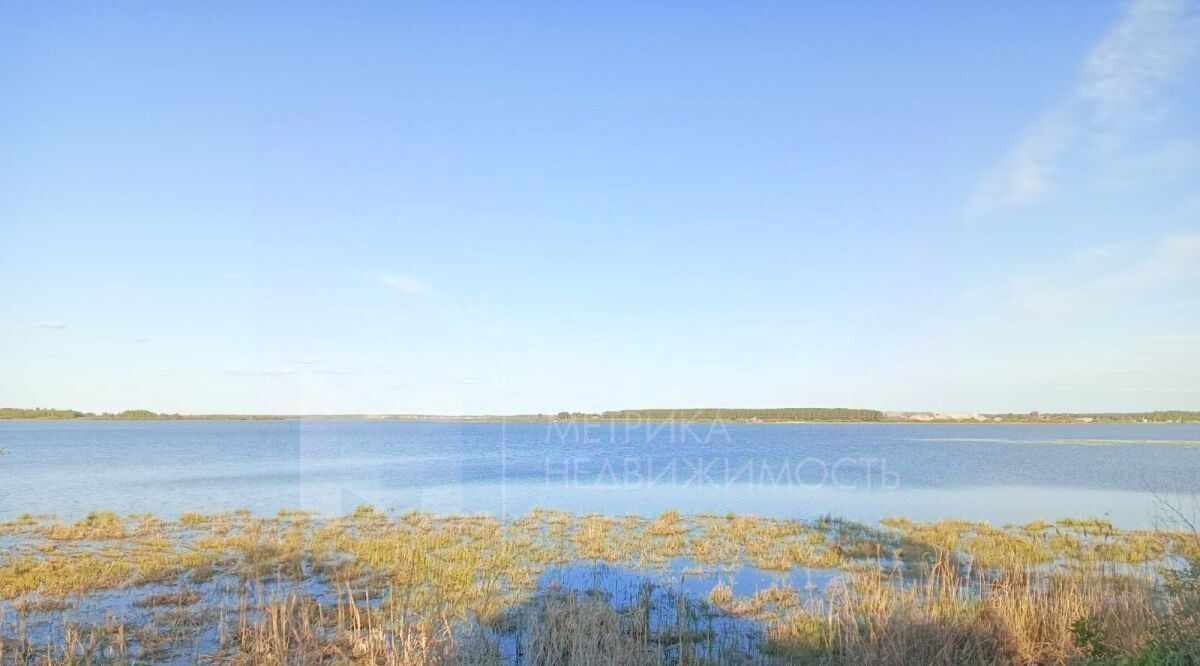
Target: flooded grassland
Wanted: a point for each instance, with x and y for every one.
(554, 587)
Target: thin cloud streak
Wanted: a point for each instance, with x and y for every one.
(293, 372)
(1144, 51)
(271, 372)
(402, 284)
(1117, 91)
(1029, 172)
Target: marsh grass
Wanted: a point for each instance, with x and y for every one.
(420, 588)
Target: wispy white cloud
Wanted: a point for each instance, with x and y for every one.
(50, 325)
(1097, 254)
(1028, 173)
(115, 289)
(1177, 258)
(1119, 89)
(1146, 49)
(401, 283)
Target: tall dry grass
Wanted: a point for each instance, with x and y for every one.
(952, 616)
(583, 631)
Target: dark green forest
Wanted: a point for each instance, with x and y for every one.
(38, 413)
(43, 413)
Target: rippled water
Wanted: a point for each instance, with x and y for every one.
(997, 472)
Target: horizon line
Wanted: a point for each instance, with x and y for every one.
(7, 413)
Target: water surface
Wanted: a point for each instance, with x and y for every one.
(996, 472)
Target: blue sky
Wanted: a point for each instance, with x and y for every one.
(486, 208)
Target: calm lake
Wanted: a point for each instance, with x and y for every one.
(996, 472)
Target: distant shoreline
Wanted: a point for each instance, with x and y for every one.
(727, 416)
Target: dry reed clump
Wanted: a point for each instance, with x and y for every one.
(27, 605)
(298, 630)
(1040, 616)
(193, 519)
(181, 597)
(1084, 543)
(1014, 617)
(669, 524)
(62, 575)
(721, 594)
(557, 629)
(108, 644)
(95, 527)
(582, 630)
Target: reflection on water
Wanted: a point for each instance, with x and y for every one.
(997, 472)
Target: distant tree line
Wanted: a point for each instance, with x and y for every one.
(703, 414)
(1167, 416)
(777, 414)
(38, 413)
(137, 415)
(41, 413)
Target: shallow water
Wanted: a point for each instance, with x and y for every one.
(995, 472)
